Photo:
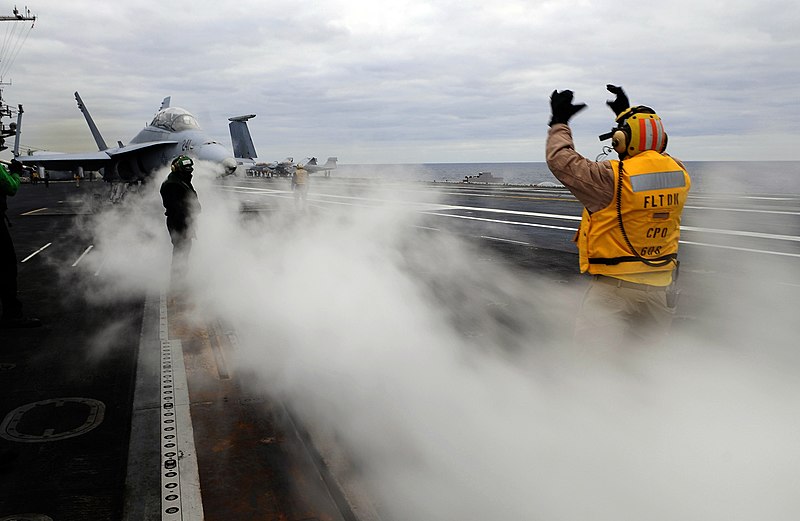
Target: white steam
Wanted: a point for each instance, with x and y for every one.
(452, 381)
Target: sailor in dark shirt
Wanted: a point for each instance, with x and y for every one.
(182, 206)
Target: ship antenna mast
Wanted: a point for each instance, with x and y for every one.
(13, 43)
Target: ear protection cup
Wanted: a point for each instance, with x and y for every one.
(664, 146)
(619, 141)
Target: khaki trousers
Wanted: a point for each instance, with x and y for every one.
(615, 313)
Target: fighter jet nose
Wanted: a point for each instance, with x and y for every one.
(229, 164)
(218, 154)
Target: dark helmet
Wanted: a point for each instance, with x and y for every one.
(182, 164)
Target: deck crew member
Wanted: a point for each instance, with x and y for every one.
(300, 186)
(182, 206)
(12, 316)
(628, 236)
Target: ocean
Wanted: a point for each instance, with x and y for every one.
(717, 177)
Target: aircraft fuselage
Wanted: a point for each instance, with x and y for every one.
(193, 143)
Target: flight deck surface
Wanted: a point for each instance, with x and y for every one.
(84, 432)
(94, 425)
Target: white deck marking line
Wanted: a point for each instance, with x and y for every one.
(504, 240)
(245, 189)
(100, 268)
(737, 233)
(87, 250)
(765, 198)
(180, 479)
(32, 255)
(746, 210)
(717, 231)
(750, 250)
(723, 197)
(513, 212)
(319, 196)
(532, 225)
(426, 228)
(34, 211)
(536, 225)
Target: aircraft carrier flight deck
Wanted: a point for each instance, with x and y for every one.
(126, 405)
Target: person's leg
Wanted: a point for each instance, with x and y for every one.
(603, 318)
(12, 307)
(181, 248)
(12, 316)
(654, 318)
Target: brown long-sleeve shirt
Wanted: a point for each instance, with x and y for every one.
(591, 182)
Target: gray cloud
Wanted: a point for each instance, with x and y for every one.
(416, 81)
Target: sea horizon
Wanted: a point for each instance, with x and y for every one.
(778, 176)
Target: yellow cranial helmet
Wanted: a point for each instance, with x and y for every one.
(638, 129)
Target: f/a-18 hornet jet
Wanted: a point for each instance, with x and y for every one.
(173, 131)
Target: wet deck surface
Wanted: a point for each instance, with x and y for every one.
(82, 407)
(80, 433)
(70, 381)
(252, 460)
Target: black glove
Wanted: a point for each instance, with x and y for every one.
(619, 104)
(562, 107)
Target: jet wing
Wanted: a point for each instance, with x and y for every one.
(139, 146)
(90, 160)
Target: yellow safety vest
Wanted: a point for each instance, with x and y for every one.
(300, 176)
(637, 233)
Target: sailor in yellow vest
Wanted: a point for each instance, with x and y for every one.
(300, 186)
(628, 237)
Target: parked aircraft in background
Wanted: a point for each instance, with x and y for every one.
(311, 165)
(283, 168)
(247, 158)
(173, 131)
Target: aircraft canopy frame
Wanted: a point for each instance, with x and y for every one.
(175, 119)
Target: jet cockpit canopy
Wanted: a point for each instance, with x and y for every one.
(175, 119)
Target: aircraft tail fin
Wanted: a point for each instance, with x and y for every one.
(165, 102)
(330, 164)
(240, 137)
(101, 144)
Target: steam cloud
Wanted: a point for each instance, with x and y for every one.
(452, 380)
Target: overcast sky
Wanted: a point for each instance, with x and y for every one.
(413, 81)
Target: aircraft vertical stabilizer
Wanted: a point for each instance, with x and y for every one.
(101, 144)
(243, 147)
